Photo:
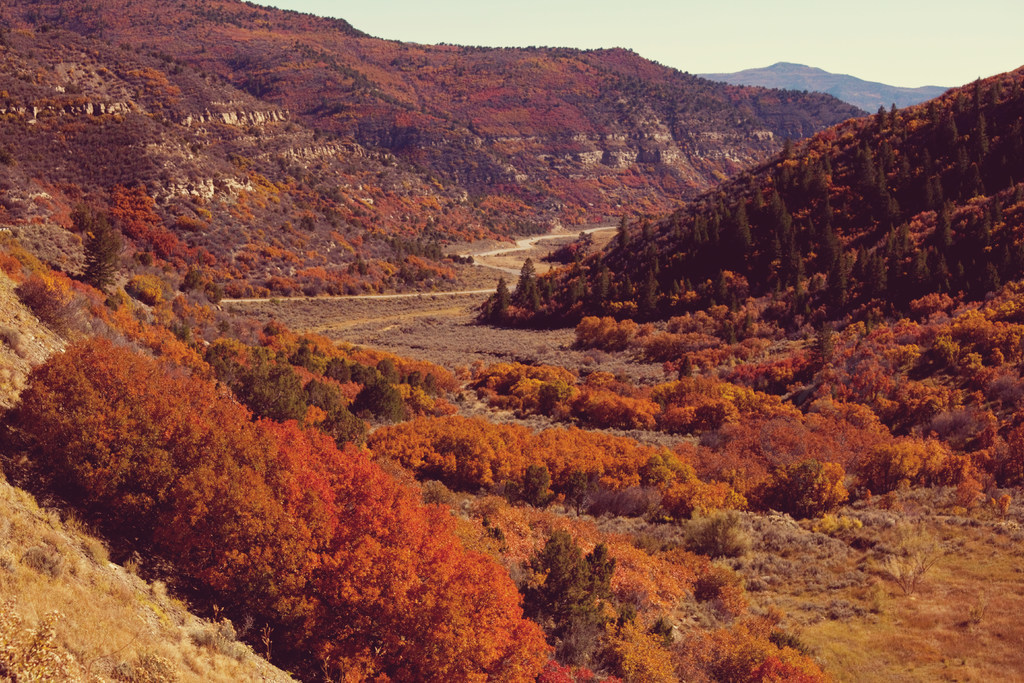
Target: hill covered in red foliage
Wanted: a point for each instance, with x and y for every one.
(536, 134)
(199, 175)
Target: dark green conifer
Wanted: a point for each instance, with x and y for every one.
(102, 246)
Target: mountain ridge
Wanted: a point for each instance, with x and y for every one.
(555, 134)
(867, 95)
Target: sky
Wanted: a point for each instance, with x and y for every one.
(899, 42)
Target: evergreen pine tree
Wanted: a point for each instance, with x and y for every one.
(102, 247)
(527, 289)
(502, 300)
(649, 295)
(623, 233)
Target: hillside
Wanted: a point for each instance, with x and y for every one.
(257, 500)
(861, 220)
(867, 95)
(200, 175)
(784, 440)
(543, 134)
(68, 613)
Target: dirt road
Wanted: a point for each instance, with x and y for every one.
(436, 326)
(481, 259)
(484, 259)
(364, 297)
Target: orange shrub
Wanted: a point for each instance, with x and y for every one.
(605, 333)
(805, 489)
(149, 289)
(11, 266)
(744, 652)
(51, 298)
(691, 496)
(272, 521)
(602, 408)
(905, 461)
(472, 453)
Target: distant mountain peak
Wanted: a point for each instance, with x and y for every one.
(868, 95)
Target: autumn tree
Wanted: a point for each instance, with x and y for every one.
(806, 489)
(269, 520)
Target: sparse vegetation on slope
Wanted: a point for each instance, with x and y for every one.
(529, 135)
(69, 614)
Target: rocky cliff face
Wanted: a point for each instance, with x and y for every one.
(205, 174)
(562, 134)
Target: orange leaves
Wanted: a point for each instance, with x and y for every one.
(639, 656)
(135, 212)
(11, 266)
(605, 333)
(692, 496)
(272, 520)
(520, 387)
(156, 81)
(607, 409)
(49, 294)
(743, 652)
(471, 453)
(688, 405)
(805, 489)
(904, 461)
(467, 453)
(401, 577)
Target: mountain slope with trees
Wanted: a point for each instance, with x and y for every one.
(831, 412)
(329, 556)
(860, 220)
(204, 178)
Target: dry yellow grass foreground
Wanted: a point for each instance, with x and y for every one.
(963, 623)
(68, 614)
(853, 608)
(24, 342)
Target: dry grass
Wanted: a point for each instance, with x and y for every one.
(960, 622)
(24, 342)
(53, 244)
(69, 615)
(440, 329)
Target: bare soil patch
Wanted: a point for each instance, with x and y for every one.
(442, 328)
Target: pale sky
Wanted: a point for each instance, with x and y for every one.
(899, 42)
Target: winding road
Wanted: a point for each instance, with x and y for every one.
(527, 243)
(523, 244)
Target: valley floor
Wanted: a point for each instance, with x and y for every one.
(958, 624)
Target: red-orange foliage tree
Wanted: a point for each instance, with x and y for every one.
(271, 521)
(135, 211)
